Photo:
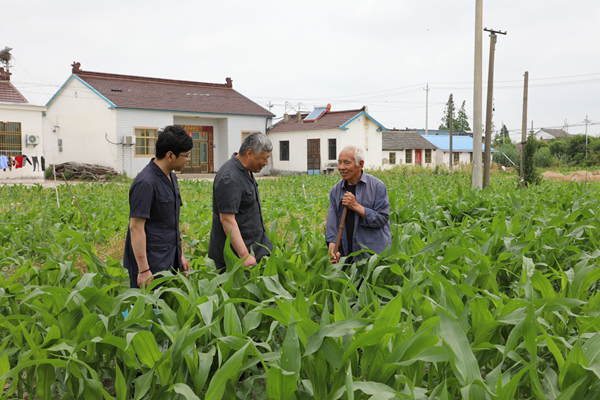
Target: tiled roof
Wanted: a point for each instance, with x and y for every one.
(557, 133)
(137, 92)
(330, 120)
(398, 140)
(459, 143)
(10, 94)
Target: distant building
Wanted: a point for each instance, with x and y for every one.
(410, 147)
(443, 132)
(310, 142)
(547, 134)
(21, 127)
(113, 120)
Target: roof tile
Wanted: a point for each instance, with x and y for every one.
(10, 94)
(127, 91)
(398, 140)
(329, 120)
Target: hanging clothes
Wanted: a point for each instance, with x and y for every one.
(18, 162)
(43, 164)
(11, 162)
(35, 162)
(26, 159)
(3, 162)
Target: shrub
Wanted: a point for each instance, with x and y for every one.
(543, 158)
(506, 155)
(530, 174)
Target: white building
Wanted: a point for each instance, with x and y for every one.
(308, 143)
(547, 134)
(21, 137)
(113, 120)
(410, 147)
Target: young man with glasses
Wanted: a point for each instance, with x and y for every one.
(153, 241)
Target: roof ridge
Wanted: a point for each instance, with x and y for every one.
(92, 74)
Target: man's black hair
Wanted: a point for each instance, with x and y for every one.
(172, 138)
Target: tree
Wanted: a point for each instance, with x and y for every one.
(460, 122)
(501, 137)
(445, 125)
(530, 174)
(462, 119)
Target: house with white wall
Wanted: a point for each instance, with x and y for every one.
(309, 142)
(408, 147)
(21, 134)
(113, 120)
(548, 134)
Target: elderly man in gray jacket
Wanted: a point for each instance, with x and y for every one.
(367, 224)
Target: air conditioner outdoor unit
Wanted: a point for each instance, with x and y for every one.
(129, 140)
(33, 140)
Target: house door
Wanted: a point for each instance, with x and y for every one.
(201, 161)
(418, 157)
(313, 153)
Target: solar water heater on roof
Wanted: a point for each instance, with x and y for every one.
(315, 114)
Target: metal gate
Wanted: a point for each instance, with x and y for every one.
(313, 153)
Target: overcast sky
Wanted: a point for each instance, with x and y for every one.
(378, 53)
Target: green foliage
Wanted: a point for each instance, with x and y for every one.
(502, 137)
(530, 173)
(460, 122)
(462, 119)
(507, 155)
(483, 294)
(542, 158)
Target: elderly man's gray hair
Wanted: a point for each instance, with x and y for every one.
(359, 153)
(258, 142)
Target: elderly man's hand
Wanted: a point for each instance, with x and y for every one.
(350, 201)
(335, 258)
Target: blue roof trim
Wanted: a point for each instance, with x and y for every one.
(194, 112)
(112, 105)
(343, 126)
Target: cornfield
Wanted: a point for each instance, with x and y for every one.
(486, 294)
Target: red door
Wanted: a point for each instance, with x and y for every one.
(418, 157)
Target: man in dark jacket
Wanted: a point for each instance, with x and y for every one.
(236, 204)
(153, 243)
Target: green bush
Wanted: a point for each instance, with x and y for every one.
(530, 174)
(506, 153)
(542, 158)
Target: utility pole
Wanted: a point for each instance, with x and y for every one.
(477, 83)
(524, 127)
(487, 162)
(427, 110)
(451, 112)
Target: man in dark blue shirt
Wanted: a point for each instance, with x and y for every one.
(236, 204)
(367, 223)
(153, 241)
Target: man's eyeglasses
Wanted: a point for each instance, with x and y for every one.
(188, 155)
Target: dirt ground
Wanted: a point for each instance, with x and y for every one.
(578, 176)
